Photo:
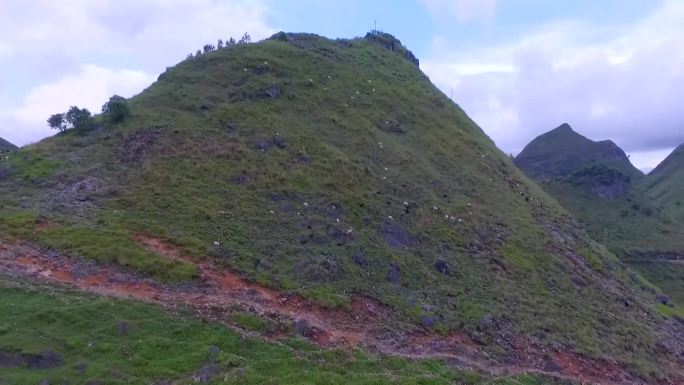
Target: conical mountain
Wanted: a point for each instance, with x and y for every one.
(562, 152)
(330, 167)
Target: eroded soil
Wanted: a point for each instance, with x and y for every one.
(360, 324)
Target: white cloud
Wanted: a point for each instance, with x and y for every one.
(461, 10)
(622, 84)
(47, 44)
(89, 88)
(648, 160)
(154, 31)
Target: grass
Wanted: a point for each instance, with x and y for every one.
(253, 323)
(87, 332)
(665, 184)
(364, 156)
(639, 224)
(667, 275)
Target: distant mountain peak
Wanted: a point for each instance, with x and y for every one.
(562, 152)
(565, 127)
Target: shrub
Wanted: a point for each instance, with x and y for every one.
(116, 109)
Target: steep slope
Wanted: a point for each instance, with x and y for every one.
(330, 169)
(665, 184)
(664, 187)
(6, 146)
(596, 182)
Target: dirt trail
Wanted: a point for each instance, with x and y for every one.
(360, 325)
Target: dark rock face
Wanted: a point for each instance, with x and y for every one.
(276, 141)
(396, 236)
(614, 190)
(122, 328)
(48, 359)
(604, 182)
(393, 274)
(303, 327)
(136, 146)
(663, 299)
(392, 127)
(319, 269)
(359, 258)
(5, 172)
(273, 91)
(443, 267)
(393, 44)
(427, 321)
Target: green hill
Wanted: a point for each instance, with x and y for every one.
(331, 167)
(6, 146)
(665, 184)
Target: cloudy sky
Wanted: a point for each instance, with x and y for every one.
(611, 68)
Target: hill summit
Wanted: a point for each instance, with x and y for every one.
(563, 152)
(330, 169)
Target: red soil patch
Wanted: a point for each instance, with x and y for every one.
(359, 325)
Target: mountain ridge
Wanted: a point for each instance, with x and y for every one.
(6, 146)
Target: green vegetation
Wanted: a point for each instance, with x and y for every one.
(331, 167)
(116, 109)
(253, 323)
(636, 217)
(123, 342)
(76, 119)
(665, 184)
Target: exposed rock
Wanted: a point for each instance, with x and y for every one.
(359, 258)
(122, 328)
(427, 321)
(303, 327)
(48, 359)
(393, 274)
(273, 91)
(396, 236)
(276, 141)
(663, 299)
(136, 146)
(391, 126)
(443, 267)
(81, 368)
(393, 44)
(319, 269)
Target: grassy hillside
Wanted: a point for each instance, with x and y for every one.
(330, 167)
(606, 195)
(665, 184)
(52, 334)
(6, 146)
